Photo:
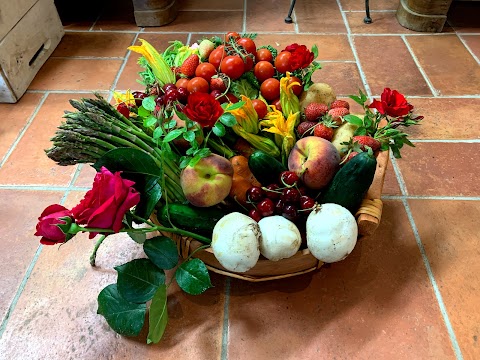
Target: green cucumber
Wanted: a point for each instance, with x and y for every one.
(187, 217)
(265, 168)
(351, 182)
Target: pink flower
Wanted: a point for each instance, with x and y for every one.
(47, 224)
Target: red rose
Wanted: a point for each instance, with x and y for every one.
(392, 103)
(107, 202)
(203, 109)
(301, 56)
(47, 224)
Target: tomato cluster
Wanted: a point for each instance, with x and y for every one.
(288, 198)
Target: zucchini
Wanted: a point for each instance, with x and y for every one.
(187, 217)
(351, 182)
(265, 168)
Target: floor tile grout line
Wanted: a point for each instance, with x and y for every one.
(447, 141)
(295, 23)
(431, 197)
(244, 19)
(96, 20)
(66, 91)
(436, 290)
(122, 67)
(87, 57)
(354, 50)
(426, 262)
(189, 38)
(371, 11)
(434, 91)
(468, 48)
(24, 129)
(226, 320)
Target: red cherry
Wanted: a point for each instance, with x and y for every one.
(255, 215)
(183, 95)
(288, 177)
(139, 96)
(279, 207)
(272, 191)
(306, 202)
(266, 207)
(168, 87)
(290, 212)
(290, 195)
(302, 190)
(255, 194)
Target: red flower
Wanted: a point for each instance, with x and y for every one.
(47, 224)
(203, 109)
(301, 56)
(107, 202)
(392, 103)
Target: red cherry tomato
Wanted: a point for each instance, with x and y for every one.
(182, 83)
(232, 66)
(277, 104)
(198, 84)
(270, 89)
(248, 44)
(216, 56)
(232, 34)
(260, 107)
(231, 98)
(205, 70)
(282, 62)
(264, 55)
(263, 70)
(248, 64)
(297, 89)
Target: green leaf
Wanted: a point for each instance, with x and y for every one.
(148, 200)
(172, 135)
(149, 103)
(143, 112)
(128, 160)
(181, 115)
(138, 280)
(162, 251)
(235, 106)
(355, 120)
(228, 119)
(360, 131)
(315, 51)
(192, 277)
(194, 161)
(203, 153)
(124, 317)
(218, 129)
(157, 133)
(139, 238)
(171, 124)
(184, 161)
(149, 121)
(189, 135)
(158, 317)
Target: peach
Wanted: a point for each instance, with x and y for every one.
(208, 182)
(315, 160)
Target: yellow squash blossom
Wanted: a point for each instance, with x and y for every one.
(159, 66)
(284, 130)
(246, 116)
(289, 101)
(126, 98)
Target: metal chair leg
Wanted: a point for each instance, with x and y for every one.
(368, 19)
(288, 19)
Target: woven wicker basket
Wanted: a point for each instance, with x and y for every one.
(368, 218)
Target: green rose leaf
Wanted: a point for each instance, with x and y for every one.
(149, 121)
(189, 135)
(149, 103)
(218, 129)
(138, 280)
(352, 119)
(172, 135)
(124, 317)
(143, 112)
(128, 160)
(162, 251)
(157, 133)
(137, 237)
(158, 316)
(192, 277)
(228, 119)
(148, 200)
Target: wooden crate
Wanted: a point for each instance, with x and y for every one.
(11, 12)
(26, 47)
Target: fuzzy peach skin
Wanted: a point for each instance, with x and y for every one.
(208, 182)
(315, 160)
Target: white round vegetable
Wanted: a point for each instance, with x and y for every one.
(280, 238)
(331, 233)
(235, 242)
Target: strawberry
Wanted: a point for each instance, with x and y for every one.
(189, 65)
(340, 104)
(306, 128)
(323, 131)
(217, 83)
(205, 48)
(348, 157)
(337, 115)
(365, 140)
(314, 111)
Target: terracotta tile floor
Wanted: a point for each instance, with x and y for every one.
(411, 291)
